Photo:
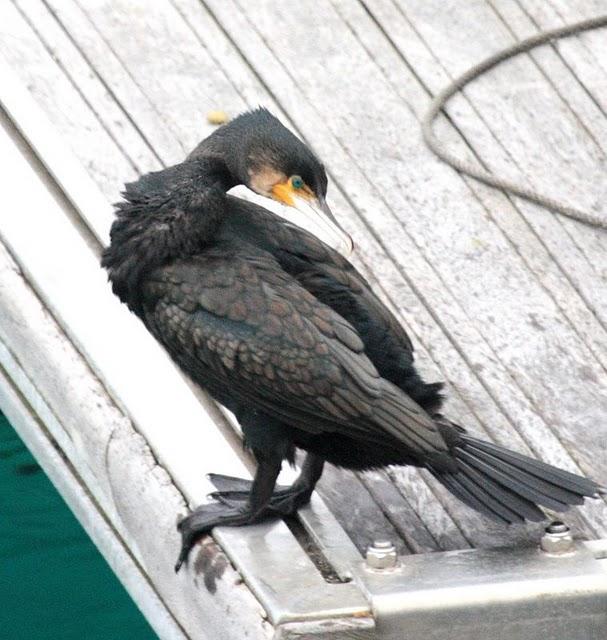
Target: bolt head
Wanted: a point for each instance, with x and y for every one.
(381, 555)
(557, 539)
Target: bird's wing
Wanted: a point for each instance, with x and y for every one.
(243, 324)
(322, 271)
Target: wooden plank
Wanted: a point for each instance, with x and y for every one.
(155, 128)
(581, 67)
(537, 258)
(553, 258)
(26, 54)
(592, 42)
(184, 79)
(63, 170)
(469, 272)
(110, 114)
(536, 130)
(100, 56)
(556, 72)
(404, 517)
(466, 355)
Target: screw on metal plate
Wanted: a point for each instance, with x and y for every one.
(381, 555)
(557, 539)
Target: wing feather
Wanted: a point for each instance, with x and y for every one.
(237, 321)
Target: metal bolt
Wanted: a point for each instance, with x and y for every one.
(557, 527)
(557, 539)
(381, 555)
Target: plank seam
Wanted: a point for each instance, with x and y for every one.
(416, 290)
(100, 79)
(498, 403)
(568, 228)
(128, 73)
(531, 56)
(475, 191)
(75, 86)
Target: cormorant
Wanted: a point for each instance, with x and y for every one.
(282, 330)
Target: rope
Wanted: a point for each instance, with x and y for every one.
(438, 104)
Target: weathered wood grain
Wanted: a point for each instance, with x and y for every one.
(351, 486)
(532, 124)
(525, 19)
(565, 11)
(505, 302)
(577, 53)
(469, 272)
(23, 50)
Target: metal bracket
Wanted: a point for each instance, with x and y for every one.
(518, 594)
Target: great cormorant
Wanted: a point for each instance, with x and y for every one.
(283, 331)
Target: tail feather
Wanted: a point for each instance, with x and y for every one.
(455, 486)
(507, 486)
(560, 477)
(521, 482)
(514, 501)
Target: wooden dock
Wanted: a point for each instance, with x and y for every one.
(504, 300)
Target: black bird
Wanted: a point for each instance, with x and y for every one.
(283, 331)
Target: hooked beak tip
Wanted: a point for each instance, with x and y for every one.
(347, 238)
(314, 215)
(330, 231)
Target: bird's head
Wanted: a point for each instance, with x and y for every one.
(265, 156)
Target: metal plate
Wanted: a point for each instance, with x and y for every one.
(518, 594)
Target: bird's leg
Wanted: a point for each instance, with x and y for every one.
(299, 494)
(285, 500)
(254, 509)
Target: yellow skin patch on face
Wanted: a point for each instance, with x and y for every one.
(262, 180)
(285, 191)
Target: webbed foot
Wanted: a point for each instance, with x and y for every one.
(236, 489)
(285, 501)
(203, 519)
(242, 502)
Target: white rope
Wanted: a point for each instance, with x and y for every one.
(463, 166)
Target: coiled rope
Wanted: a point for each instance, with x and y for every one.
(438, 104)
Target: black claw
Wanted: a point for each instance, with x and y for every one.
(187, 542)
(183, 555)
(203, 520)
(233, 509)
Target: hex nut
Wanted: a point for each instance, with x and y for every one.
(557, 539)
(381, 555)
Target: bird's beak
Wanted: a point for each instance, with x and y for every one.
(313, 214)
(323, 224)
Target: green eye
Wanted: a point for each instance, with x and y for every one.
(297, 182)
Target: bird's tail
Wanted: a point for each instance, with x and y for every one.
(508, 486)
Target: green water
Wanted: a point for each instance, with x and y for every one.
(54, 584)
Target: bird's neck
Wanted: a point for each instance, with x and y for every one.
(165, 215)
